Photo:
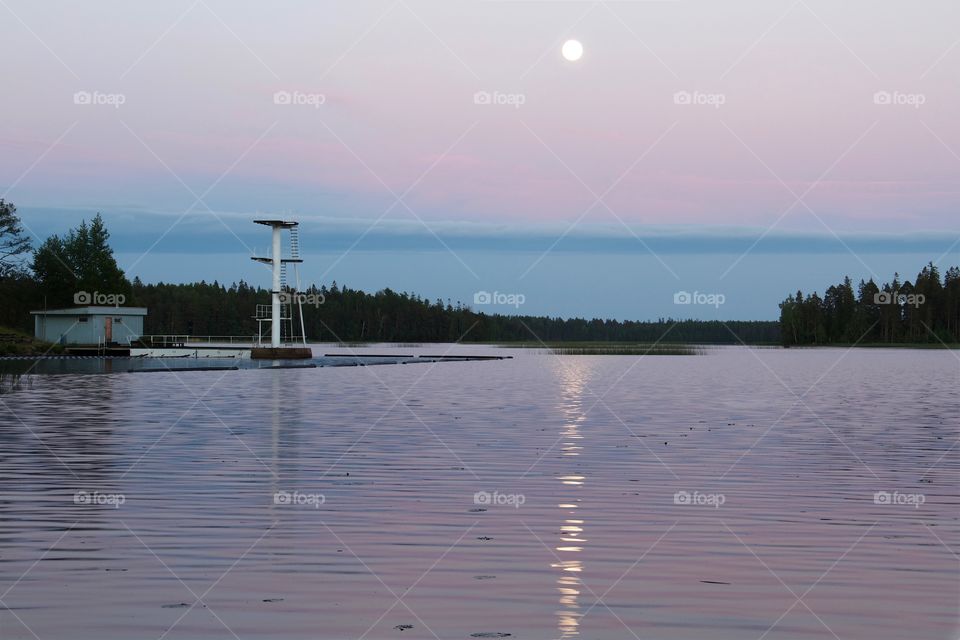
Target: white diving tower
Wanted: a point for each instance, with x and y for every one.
(281, 309)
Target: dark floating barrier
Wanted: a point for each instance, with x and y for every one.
(179, 369)
(367, 355)
(465, 357)
(286, 366)
(88, 364)
(415, 358)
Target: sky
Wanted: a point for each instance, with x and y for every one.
(742, 149)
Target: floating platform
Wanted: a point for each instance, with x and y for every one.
(97, 351)
(281, 353)
(191, 352)
(66, 364)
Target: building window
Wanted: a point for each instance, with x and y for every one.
(83, 319)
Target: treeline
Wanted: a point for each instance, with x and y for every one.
(350, 315)
(49, 276)
(52, 275)
(926, 310)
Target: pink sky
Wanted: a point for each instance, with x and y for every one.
(797, 82)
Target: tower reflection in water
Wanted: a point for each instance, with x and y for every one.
(572, 540)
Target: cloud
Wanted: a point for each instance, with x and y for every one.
(134, 229)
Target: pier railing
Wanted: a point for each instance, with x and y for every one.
(170, 340)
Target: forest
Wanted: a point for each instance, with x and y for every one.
(349, 315)
(925, 311)
(82, 260)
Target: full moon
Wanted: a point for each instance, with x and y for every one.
(572, 50)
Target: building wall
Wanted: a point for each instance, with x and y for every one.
(72, 331)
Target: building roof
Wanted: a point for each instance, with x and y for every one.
(93, 311)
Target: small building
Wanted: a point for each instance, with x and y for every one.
(89, 325)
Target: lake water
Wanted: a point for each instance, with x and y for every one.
(757, 493)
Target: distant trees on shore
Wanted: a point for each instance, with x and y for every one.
(350, 315)
(83, 261)
(924, 311)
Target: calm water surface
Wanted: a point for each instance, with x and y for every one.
(731, 495)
